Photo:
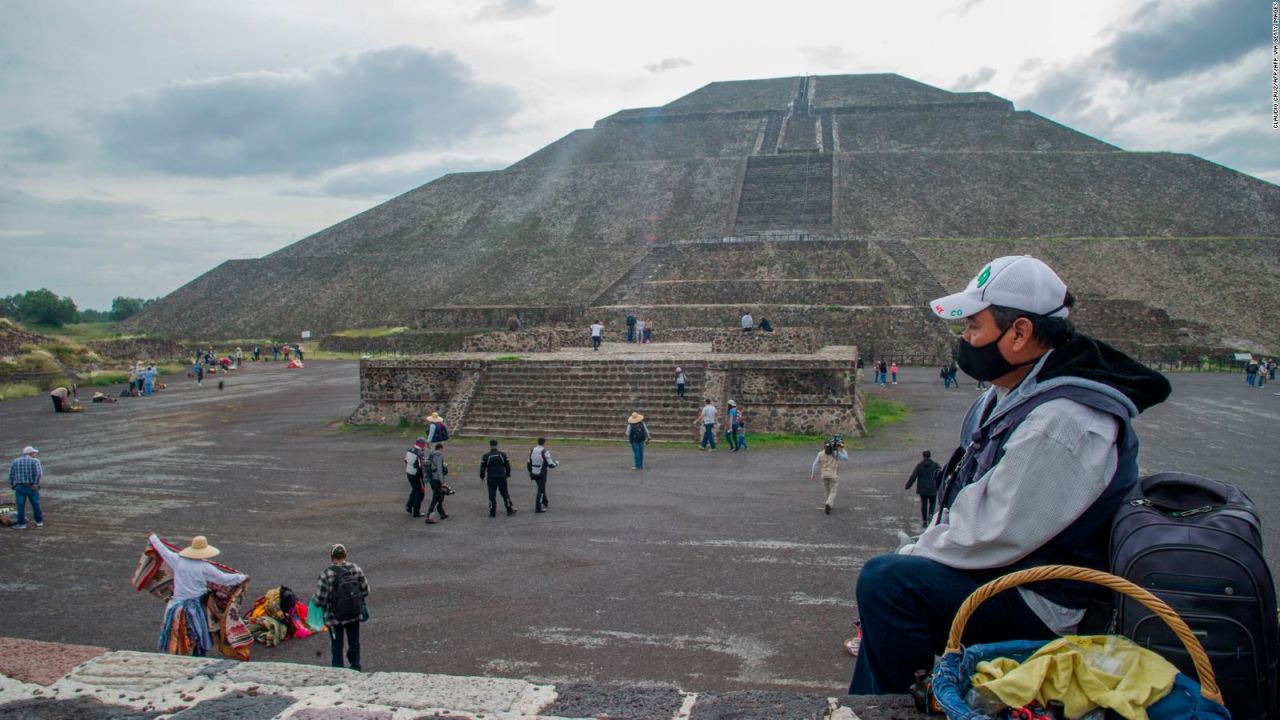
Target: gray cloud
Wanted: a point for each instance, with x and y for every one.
(36, 144)
(356, 108)
(511, 10)
(1062, 93)
(1250, 151)
(1158, 47)
(974, 80)
(671, 63)
(381, 183)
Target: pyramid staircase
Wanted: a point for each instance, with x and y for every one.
(785, 192)
(577, 399)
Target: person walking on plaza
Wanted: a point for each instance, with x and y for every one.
(199, 373)
(342, 591)
(495, 468)
(680, 383)
(638, 435)
(436, 470)
(437, 432)
(1251, 373)
(185, 615)
(893, 371)
(707, 416)
(734, 417)
(25, 473)
(149, 380)
(596, 328)
(831, 454)
(540, 463)
(927, 477)
(415, 470)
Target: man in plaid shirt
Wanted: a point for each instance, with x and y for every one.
(342, 615)
(24, 477)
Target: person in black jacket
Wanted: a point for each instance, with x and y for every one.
(496, 468)
(926, 478)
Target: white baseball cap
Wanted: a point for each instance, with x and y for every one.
(28, 450)
(1020, 282)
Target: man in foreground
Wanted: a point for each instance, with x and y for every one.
(1049, 455)
(341, 591)
(25, 474)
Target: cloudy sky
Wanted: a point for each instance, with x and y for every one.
(145, 141)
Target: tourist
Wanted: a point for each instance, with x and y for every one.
(707, 416)
(742, 430)
(285, 350)
(945, 374)
(748, 324)
(596, 328)
(199, 373)
(926, 477)
(955, 381)
(61, 398)
(275, 351)
(1050, 455)
(25, 473)
(297, 348)
(893, 371)
(415, 470)
(732, 433)
(239, 356)
(860, 367)
(882, 372)
(640, 330)
(828, 458)
(436, 470)
(638, 434)
(680, 383)
(1271, 369)
(185, 618)
(437, 432)
(648, 331)
(540, 463)
(133, 381)
(342, 591)
(149, 380)
(257, 353)
(495, 468)
(631, 328)
(1251, 372)
(765, 325)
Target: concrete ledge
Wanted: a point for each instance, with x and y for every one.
(127, 684)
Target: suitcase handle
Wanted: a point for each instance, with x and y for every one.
(1208, 683)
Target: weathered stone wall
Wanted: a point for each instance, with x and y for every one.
(987, 128)
(783, 395)
(632, 142)
(496, 316)
(791, 340)
(725, 290)
(535, 340)
(406, 343)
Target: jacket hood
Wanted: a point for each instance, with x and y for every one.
(1090, 359)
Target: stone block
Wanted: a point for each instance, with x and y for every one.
(422, 692)
(81, 708)
(585, 700)
(239, 705)
(287, 675)
(131, 671)
(758, 705)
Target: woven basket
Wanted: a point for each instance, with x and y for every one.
(951, 676)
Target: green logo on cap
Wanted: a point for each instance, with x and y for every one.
(984, 276)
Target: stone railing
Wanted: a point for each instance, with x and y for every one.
(535, 340)
(406, 343)
(790, 340)
(149, 349)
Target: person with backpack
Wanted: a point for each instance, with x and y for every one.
(735, 426)
(631, 328)
(597, 327)
(1046, 458)
(437, 431)
(436, 470)
(495, 468)
(638, 434)
(831, 454)
(926, 477)
(540, 463)
(415, 465)
(342, 591)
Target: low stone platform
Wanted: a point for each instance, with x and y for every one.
(51, 680)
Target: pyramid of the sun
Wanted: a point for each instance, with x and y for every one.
(840, 201)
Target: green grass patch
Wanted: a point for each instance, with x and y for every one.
(310, 355)
(99, 378)
(371, 332)
(781, 440)
(506, 358)
(10, 391)
(881, 413)
(83, 332)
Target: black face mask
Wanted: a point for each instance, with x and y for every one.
(985, 362)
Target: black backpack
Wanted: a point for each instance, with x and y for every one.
(638, 432)
(1196, 544)
(442, 432)
(347, 600)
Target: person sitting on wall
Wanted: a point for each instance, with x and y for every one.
(765, 325)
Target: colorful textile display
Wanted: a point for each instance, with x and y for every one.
(270, 625)
(183, 632)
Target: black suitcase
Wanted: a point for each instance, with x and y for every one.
(1196, 543)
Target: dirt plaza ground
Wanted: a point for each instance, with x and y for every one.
(713, 571)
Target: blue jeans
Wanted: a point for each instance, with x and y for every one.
(906, 605)
(352, 631)
(21, 494)
(708, 435)
(637, 453)
(742, 439)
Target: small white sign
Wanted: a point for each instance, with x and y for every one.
(1243, 356)
(306, 334)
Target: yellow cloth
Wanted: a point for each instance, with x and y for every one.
(1083, 672)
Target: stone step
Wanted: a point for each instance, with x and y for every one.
(533, 431)
(542, 387)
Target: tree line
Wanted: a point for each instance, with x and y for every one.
(45, 307)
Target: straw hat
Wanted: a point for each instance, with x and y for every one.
(435, 417)
(635, 418)
(199, 549)
(733, 404)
